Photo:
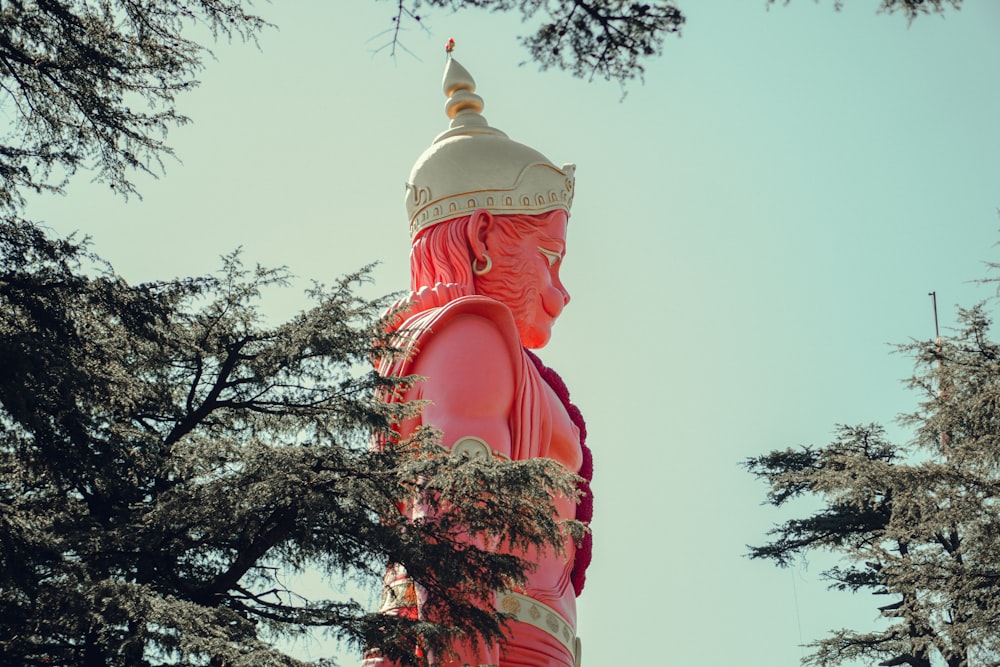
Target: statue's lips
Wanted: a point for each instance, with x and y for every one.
(549, 308)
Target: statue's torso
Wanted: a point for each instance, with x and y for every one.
(540, 426)
(550, 583)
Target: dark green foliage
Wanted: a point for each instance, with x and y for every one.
(911, 9)
(166, 457)
(918, 524)
(93, 84)
(590, 38)
(609, 39)
(605, 38)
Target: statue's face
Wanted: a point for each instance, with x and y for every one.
(525, 277)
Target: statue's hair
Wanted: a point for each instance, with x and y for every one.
(441, 253)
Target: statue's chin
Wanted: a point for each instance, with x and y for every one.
(534, 337)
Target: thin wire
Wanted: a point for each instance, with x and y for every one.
(798, 616)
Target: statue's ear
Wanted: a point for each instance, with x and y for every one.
(480, 228)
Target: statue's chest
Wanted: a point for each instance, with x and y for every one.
(564, 441)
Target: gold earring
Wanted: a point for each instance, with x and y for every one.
(486, 269)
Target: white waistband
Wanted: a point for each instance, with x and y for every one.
(529, 610)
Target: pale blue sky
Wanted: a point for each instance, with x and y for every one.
(753, 226)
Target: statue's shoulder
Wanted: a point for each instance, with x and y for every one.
(475, 307)
(477, 324)
(468, 357)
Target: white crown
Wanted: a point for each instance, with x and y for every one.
(472, 165)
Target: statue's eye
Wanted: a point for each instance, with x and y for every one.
(550, 256)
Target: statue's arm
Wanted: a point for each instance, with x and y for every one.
(470, 387)
(470, 382)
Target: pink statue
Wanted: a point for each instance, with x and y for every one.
(488, 219)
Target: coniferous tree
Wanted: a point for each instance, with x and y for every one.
(167, 458)
(917, 524)
(610, 39)
(911, 9)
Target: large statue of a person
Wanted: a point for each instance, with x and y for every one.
(488, 221)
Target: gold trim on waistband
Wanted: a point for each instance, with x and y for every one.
(528, 610)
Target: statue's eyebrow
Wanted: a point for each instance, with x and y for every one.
(551, 256)
(560, 243)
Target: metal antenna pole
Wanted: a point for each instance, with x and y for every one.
(942, 393)
(937, 332)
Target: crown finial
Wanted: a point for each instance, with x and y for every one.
(460, 88)
(472, 165)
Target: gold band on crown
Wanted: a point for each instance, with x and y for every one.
(541, 188)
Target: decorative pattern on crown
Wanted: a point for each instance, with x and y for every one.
(542, 188)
